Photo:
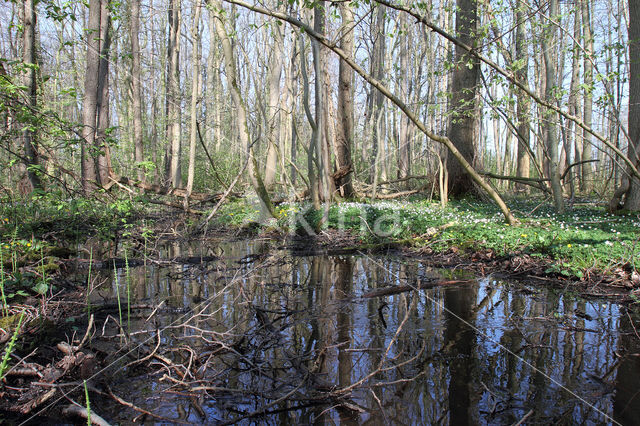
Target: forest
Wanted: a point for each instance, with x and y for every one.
(378, 211)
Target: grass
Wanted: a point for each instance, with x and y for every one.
(89, 282)
(88, 404)
(5, 307)
(128, 280)
(584, 239)
(4, 364)
(115, 275)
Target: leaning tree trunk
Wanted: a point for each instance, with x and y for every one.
(311, 163)
(241, 112)
(464, 120)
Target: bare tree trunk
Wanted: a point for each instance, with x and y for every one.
(90, 100)
(630, 187)
(102, 145)
(319, 60)
(311, 161)
(293, 87)
(549, 40)
(195, 89)
(173, 95)
(379, 48)
(585, 183)
(344, 128)
(29, 135)
(136, 77)
(273, 115)
(155, 105)
(404, 168)
(464, 120)
(572, 139)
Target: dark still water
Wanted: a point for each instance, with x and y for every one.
(264, 337)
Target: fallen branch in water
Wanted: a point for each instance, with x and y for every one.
(134, 407)
(386, 291)
(78, 411)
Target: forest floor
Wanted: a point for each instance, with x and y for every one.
(587, 246)
(49, 248)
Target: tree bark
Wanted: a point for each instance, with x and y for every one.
(319, 59)
(523, 107)
(377, 99)
(344, 128)
(587, 149)
(311, 162)
(29, 60)
(173, 95)
(90, 100)
(549, 40)
(103, 160)
(273, 115)
(464, 121)
(195, 87)
(631, 185)
(136, 77)
(572, 140)
(404, 149)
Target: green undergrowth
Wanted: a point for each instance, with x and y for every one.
(66, 219)
(585, 238)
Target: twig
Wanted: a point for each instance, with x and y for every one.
(524, 418)
(138, 409)
(384, 414)
(148, 356)
(154, 312)
(632, 325)
(86, 335)
(271, 404)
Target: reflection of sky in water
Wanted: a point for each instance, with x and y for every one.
(470, 373)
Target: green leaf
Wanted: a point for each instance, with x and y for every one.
(41, 288)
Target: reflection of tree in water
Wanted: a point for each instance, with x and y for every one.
(626, 402)
(461, 341)
(297, 324)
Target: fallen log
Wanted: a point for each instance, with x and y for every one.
(395, 289)
(159, 189)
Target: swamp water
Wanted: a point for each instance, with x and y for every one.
(259, 336)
